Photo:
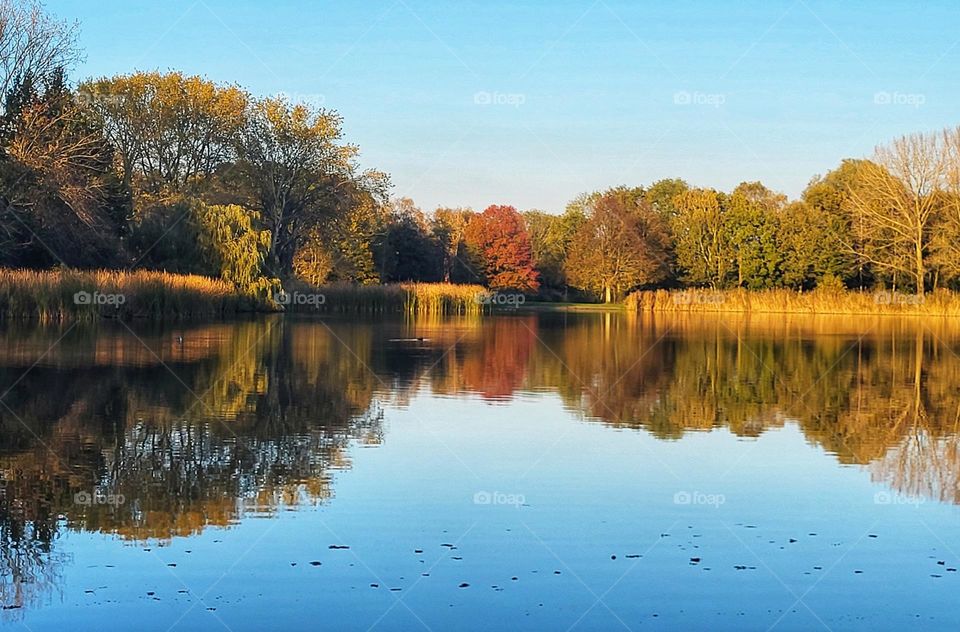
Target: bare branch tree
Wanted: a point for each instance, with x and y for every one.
(946, 241)
(32, 42)
(895, 204)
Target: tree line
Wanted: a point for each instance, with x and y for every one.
(171, 172)
(892, 222)
(165, 171)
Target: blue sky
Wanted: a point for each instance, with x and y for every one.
(529, 103)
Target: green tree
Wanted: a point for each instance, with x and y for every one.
(547, 247)
(808, 246)
(408, 250)
(704, 254)
(233, 247)
(830, 196)
(550, 239)
(164, 236)
(661, 195)
(751, 221)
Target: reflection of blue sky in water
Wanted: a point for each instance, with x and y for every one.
(711, 514)
(594, 494)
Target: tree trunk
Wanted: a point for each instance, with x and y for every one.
(919, 263)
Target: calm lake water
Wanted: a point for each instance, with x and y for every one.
(525, 472)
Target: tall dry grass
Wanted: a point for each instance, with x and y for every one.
(407, 298)
(55, 295)
(939, 303)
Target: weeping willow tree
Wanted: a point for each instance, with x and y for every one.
(236, 249)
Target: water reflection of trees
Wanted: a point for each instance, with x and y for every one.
(196, 426)
(249, 417)
(883, 392)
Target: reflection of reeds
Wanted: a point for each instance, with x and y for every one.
(56, 295)
(407, 298)
(939, 303)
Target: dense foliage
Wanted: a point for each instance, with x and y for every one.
(164, 171)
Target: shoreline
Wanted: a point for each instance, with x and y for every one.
(76, 295)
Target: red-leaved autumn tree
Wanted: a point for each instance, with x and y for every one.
(498, 242)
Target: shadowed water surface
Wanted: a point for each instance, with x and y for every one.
(526, 471)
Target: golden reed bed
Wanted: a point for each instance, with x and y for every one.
(939, 303)
(57, 295)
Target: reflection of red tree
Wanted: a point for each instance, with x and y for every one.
(501, 364)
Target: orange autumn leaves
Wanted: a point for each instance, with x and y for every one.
(500, 251)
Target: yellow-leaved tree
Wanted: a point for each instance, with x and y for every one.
(235, 249)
